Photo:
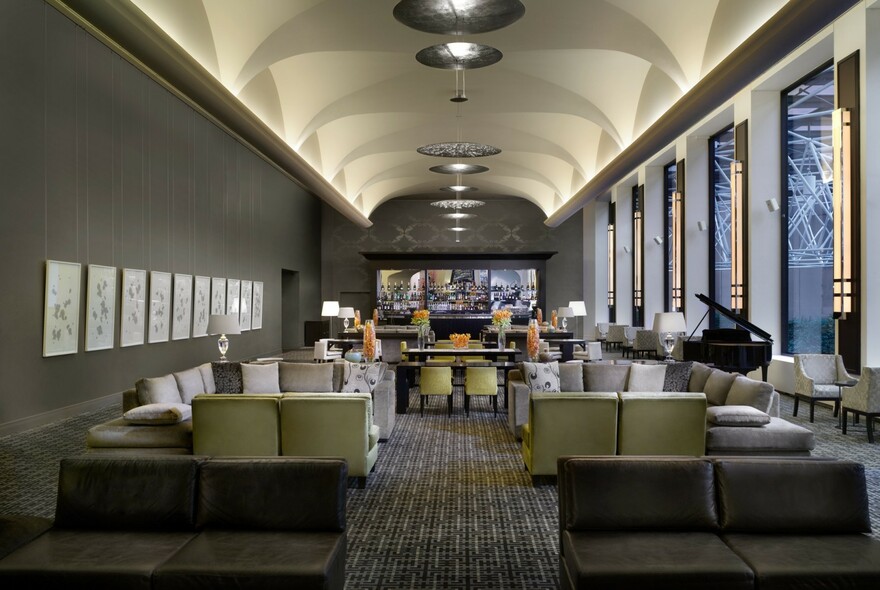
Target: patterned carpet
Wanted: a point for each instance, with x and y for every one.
(448, 506)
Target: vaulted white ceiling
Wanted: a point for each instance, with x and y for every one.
(337, 80)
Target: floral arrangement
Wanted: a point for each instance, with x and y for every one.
(553, 319)
(540, 316)
(357, 319)
(460, 340)
(369, 342)
(375, 317)
(421, 317)
(501, 318)
(532, 340)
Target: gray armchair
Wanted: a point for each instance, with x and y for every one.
(814, 378)
(616, 336)
(863, 399)
(647, 344)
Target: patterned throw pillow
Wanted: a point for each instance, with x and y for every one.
(541, 376)
(677, 376)
(227, 377)
(361, 378)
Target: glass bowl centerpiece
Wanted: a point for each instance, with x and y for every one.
(460, 340)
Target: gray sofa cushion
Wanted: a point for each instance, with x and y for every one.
(571, 377)
(699, 374)
(158, 390)
(602, 377)
(306, 377)
(717, 386)
(779, 436)
(158, 414)
(677, 376)
(259, 378)
(207, 377)
(736, 416)
(119, 434)
(748, 392)
(646, 377)
(190, 384)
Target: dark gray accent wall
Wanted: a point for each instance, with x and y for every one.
(103, 165)
(506, 225)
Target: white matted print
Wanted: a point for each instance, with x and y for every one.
(201, 306)
(183, 288)
(160, 306)
(100, 307)
(218, 296)
(244, 319)
(134, 297)
(61, 314)
(233, 297)
(257, 306)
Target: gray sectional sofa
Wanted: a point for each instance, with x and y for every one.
(722, 522)
(157, 412)
(742, 416)
(172, 522)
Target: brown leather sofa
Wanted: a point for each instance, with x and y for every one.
(746, 522)
(171, 522)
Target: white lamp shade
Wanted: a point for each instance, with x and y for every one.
(669, 322)
(579, 308)
(330, 308)
(223, 324)
(346, 312)
(565, 312)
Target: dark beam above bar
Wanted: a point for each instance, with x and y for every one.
(433, 255)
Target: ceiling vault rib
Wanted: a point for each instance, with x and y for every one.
(123, 26)
(793, 25)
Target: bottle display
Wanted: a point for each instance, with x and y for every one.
(458, 291)
(400, 292)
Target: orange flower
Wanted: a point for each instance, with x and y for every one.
(532, 340)
(421, 317)
(501, 317)
(369, 342)
(460, 340)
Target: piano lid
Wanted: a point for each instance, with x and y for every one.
(735, 318)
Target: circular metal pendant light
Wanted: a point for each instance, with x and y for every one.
(458, 149)
(459, 56)
(458, 204)
(458, 17)
(457, 215)
(459, 188)
(458, 169)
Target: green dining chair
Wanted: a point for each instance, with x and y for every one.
(435, 381)
(480, 381)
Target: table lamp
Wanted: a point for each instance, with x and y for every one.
(330, 309)
(223, 325)
(565, 313)
(346, 313)
(667, 323)
(580, 311)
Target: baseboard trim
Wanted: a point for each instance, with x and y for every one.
(38, 420)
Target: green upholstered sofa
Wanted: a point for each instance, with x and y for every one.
(741, 418)
(717, 522)
(167, 522)
(157, 411)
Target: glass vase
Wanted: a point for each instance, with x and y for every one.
(369, 342)
(502, 338)
(532, 339)
(422, 336)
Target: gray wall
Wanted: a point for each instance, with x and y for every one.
(102, 165)
(411, 224)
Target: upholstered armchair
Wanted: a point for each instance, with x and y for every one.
(616, 336)
(324, 352)
(647, 344)
(593, 352)
(863, 399)
(814, 378)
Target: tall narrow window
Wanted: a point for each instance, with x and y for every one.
(808, 215)
(612, 261)
(721, 156)
(638, 245)
(670, 186)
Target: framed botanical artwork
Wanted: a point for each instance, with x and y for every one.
(233, 297)
(201, 306)
(134, 307)
(218, 296)
(244, 317)
(61, 312)
(160, 306)
(182, 306)
(100, 307)
(257, 306)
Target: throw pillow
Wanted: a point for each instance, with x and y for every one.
(157, 414)
(541, 376)
(306, 377)
(748, 392)
(677, 376)
(605, 377)
(158, 390)
(259, 378)
(208, 377)
(717, 386)
(699, 374)
(571, 377)
(227, 377)
(646, 377)
(361, 378)
(190, 384)
(736, 416)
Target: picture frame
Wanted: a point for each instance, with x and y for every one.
(218, 296)
(100, 307)
(201, 306)
(233, 297)
(61, 308)
(160, 306)
(182, 306)
(257, 306)
(133, 318)
(244, 318)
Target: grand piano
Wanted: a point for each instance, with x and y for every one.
(730, 349)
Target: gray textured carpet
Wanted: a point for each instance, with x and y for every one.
(448, 506)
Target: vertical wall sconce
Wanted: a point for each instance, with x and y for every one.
(736, 237)
(701, 226)
(844, 292)
(637, 258)
(610, 265)
(676, 250)
(772, 205)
